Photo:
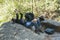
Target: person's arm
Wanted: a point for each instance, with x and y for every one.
(21, 16)
(17, 16)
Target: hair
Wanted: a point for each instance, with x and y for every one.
(29, 16)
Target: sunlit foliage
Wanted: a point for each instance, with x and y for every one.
(38, 7)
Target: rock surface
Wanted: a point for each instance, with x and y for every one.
(9, 31)
(52, 24)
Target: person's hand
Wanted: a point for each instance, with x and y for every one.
(34, 20)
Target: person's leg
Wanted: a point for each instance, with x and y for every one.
(36, 28)
(40, 29)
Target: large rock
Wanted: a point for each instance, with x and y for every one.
(9, 31)
(51, 23)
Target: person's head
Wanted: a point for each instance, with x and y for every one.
(29, 16)
(41, 18)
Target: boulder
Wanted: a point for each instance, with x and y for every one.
(9, 31)
(51, 24)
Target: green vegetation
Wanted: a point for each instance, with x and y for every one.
(49, 8)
